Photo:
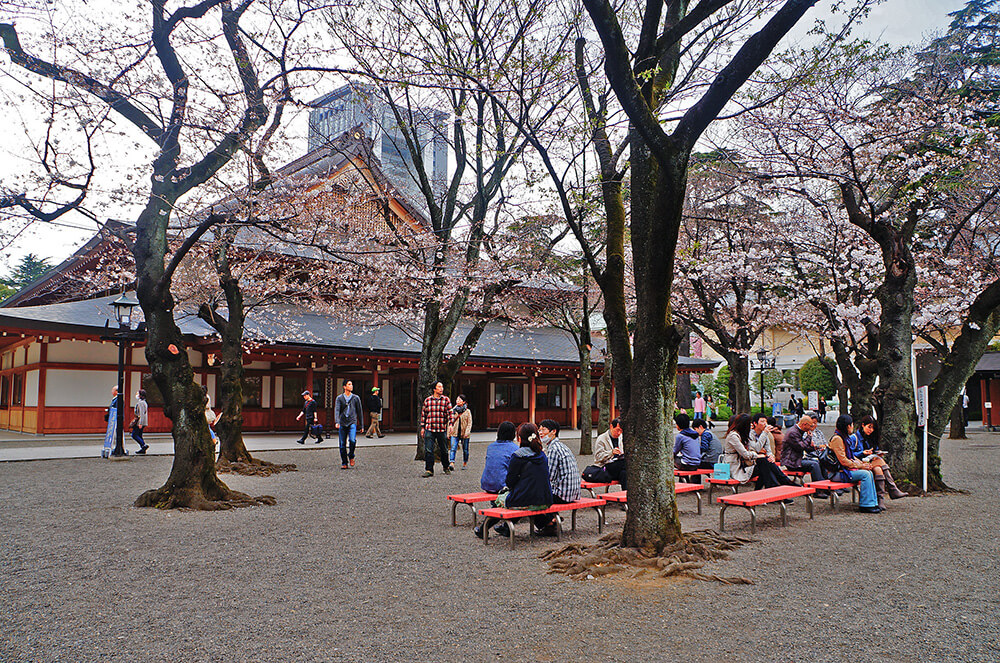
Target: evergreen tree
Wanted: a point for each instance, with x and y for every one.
(967, 58)
(29, 269)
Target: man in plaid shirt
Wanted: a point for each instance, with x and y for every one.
(564, 473)
(434, 428)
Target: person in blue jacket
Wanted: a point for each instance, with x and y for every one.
(498, 458)
(527, 483)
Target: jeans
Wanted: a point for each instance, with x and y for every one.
(137, 436)
(347, 431)
(454, 448)
(811, 465)
(441, 439)
(618, 471)
(866, 488)
(305, 433)
(684, 467)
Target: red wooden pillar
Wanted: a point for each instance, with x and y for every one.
(43, 356)
(574, 419)
(271, 386)
(531, 397)
(612, 414)
(984, 396)
(309, 376)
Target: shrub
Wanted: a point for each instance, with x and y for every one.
(816, 375)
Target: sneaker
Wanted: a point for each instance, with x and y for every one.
(823, 494)
(343, 467)
(301, 441)
(447, 471)
(502, 529)
(478, 531)
(318, 440)
(869, 509)
(142, 450)
(426, 474)
(368, 436)
(381, 436)
(548, 530)
(465, 466)
(352, 462)
(451, 467)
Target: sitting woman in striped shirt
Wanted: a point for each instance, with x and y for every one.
(564, 473)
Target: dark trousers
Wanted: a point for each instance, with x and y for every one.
(684, 467)
(137, 436)
(307, 431)
(616, 469)
(769, 475)
(441, 439)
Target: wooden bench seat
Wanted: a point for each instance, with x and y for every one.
(755, 498)
(592, 486)
(833, 487)
(510, 515)
(621, 497)
(471, 499)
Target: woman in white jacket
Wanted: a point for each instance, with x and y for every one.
(744, 463)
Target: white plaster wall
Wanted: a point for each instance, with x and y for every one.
(263, 365)
(7, 359)
(69, 388)
(278, 387)
(211, 388)
(34, 353)
(265, 388)
(19, 355)
(81, 352)
(31, 389)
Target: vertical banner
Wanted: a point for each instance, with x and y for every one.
(922, 408)
(109, 435)
(813, 400)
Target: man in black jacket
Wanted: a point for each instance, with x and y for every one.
(374, 404)
(309, 412)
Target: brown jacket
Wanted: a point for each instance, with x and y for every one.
(837, 446)
(461, 425)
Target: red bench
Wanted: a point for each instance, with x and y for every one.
(621, 497)
(795, 475)
(471, 499)
(731, 483)
(833, 487)
(753, 499)
(510, 515)
(591, 486)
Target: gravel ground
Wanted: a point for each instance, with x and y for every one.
(363, 565)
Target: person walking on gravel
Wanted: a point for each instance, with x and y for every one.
(309, 412)
(434, 416)
(374, 404)
(347, 418)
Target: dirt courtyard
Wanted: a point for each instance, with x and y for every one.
(364, 565)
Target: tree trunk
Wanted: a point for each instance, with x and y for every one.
(192, 482)
(898, 422)
(652, 522)
(583, 404)
(956, 428)
(604, 395)
(739, 382)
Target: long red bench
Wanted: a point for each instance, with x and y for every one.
(750, 501)
(510, 515)
(591, 486)
(621, 497)
(796, 475)
(471, 499)
(730, 483)
(833, 487)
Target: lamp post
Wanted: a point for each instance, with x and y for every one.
(123, 313)
(765, 363)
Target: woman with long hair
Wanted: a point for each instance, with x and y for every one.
(853, 469)
(744, 464)
(863, 445)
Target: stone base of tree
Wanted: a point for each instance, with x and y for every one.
(252, 467)
(195, 498)
(683, 558)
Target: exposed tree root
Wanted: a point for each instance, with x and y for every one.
(255, 468)
(195, 500)
(683, 558)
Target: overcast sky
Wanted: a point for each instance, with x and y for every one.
(898, 22)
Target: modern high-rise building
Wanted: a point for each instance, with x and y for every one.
(356, 104)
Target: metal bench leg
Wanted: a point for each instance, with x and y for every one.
(784, 513)
(722, 517)
(473, 508)
(559, 522)
(833, 500)
(573, 519)
(510, 526)
(809, 505)
(600, 519)
(486, 531)
(710, 487)
(698, 495)
(854, 494)
(454, 506)
(753, 520)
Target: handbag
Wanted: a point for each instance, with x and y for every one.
(721, 470)
(828, 462)
(595, 474)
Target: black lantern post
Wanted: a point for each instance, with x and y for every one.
(123, 306)
(765, 363)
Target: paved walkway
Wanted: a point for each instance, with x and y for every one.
(20, 446)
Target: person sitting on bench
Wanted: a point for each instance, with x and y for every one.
(527, 484)
(609, 454)
(711, 446)
(498, 458)
(853, 469)
(687, 446)
(799, 440)
(564, 472)
(744, 463)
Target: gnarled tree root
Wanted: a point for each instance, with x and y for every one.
(683, 558)
(254, 468)
(195, 500)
